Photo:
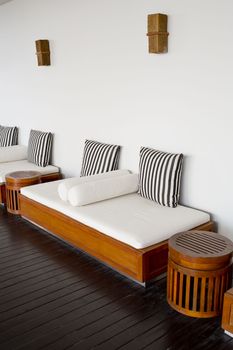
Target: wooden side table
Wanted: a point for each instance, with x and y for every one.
(14, 182)
(227, 314)
(199, 272)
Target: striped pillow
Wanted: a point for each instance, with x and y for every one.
(39, 147)
(99, 158)
(159, 176)
(8, 136)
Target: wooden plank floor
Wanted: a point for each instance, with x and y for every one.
(53, 297)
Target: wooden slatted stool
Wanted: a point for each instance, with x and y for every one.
(227, 313)
(14, 182)
(199, 272)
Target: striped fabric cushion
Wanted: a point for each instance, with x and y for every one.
(39, 147)
(8, 136)
(159, 176)
(99, 158)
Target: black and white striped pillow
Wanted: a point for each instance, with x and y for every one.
(8, 136)
(99, 158)
(39, 147)
(159, 176)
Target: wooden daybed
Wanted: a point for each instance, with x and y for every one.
(49, 173)
(141, 264)
(44, 178)
(14, 158)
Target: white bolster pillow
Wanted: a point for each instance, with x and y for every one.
(13, 153)
(96, 191)
(67, 184)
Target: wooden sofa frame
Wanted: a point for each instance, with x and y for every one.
(44, 178)
(140, 264)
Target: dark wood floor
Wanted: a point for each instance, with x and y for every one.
(53, 297)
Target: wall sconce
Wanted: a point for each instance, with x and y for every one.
(43, 52)
(157, 33)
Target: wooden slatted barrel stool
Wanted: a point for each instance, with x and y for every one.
(227, 313)
(199, 272)
(14, 182)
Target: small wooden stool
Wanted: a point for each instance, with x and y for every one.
(227, 313)
(199, 272)
(14, 182)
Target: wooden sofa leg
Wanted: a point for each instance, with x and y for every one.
(2, 193)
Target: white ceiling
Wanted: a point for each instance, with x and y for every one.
(3, 1)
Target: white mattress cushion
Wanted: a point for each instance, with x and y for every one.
(22, 165)
(96, 191)
(13, 153)
(67, 184)
(131, 219)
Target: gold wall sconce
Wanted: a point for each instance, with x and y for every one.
(157, 33)
(43, 52)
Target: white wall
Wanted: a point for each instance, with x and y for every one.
(104, 85)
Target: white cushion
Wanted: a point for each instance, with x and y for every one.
(12, 153)
(22, 165)
(67, 184)
(131, 219)
(96, 191)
